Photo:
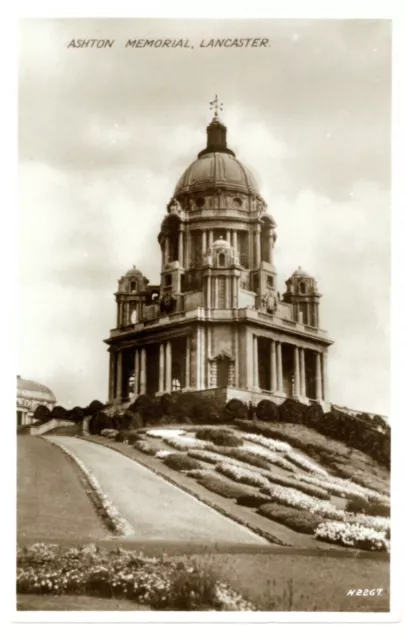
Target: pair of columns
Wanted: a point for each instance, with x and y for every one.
(276, 366)
(165, 367)
(166, 250)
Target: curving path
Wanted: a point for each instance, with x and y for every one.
(156, 509)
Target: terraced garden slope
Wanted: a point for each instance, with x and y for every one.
(287, 474)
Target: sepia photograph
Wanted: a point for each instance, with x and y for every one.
(203, 387)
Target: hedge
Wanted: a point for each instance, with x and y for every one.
(236, 409)
(100, 421)
(254, 500)
(301, 521)
(220, 437)
(225, 488)
(181, 462)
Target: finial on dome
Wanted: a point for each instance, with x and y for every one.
(216, 106)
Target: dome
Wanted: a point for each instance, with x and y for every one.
(301, 273)
(133, 272)
(217, 170)
(216, 167)
(29, 390)
(221, 244)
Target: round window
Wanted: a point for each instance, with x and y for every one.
(200, 202)
(237, 202)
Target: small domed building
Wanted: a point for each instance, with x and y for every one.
(217, 322)
(29, 395)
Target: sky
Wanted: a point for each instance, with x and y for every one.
(104, 135)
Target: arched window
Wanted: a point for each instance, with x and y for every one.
(134, 316)
(302, 287)
(133, 287)
(221, 260)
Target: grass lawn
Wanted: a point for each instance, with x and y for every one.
(51, 498)
(27, 602)
(289, 582)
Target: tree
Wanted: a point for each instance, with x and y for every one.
(59, 413)
(42, 413)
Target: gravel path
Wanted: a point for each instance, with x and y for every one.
(156, 509)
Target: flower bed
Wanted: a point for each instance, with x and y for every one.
(341, 487)
(352, 535)
(269, 443)
(163, 453)
(224, 487)
(158, 582)
(165, 433)
(270, 456)
(184, 443)
(109, 433)
(305, 487)
(241, 474)
(149, 448)
(302, 462)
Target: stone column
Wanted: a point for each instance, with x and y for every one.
(118, 389)
(202, 357)
(208, 301)
(204, 243)
(111, 380)
(168, 384)
(166, 256)
(142, 381)
(161, 367)
(280, 380)
(257, 245)
(235, 239)
(302, 373)
(255, 363)
(270, 246)
(318, 376)
(210, 237)
(187, 250)
(180, 249)
(215, 293)
(297, 377)
(273, 366)
(188, 355)
(228, 236)
(325, 376)
(227, 292)
(136, 372)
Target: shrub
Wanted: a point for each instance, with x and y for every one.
(122, 436)
(361, 505)
(184, 405)
(220, 437)
(254, 500)
(76, 414)
(142, 405)
(191, 589)
(223, 487)
(94, 407)
(60, 413)
(248, 457)
(42, 413)
(181, 462)
(122, 421)
(147, 447)
(236, 409)
(292, 411)
(357, 505)
(133, 436)
(207, 411)
(109, 433)
(301, 521)
(100, 421)
(136, 421)
(167, 404)
(267, 411)
(313, 415)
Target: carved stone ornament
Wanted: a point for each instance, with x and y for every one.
(167, 302)
(174, 207)
(269, 303)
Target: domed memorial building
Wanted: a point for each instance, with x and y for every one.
(29, 396)
(216, 322)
